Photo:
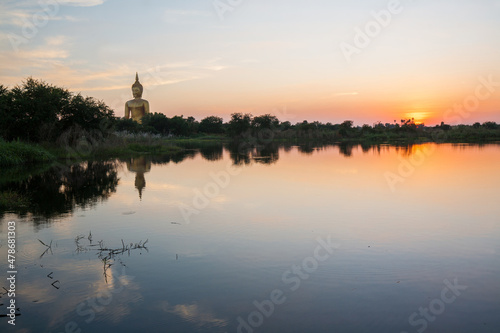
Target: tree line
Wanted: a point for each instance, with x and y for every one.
(39, 112)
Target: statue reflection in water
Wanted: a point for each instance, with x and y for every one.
(139, 165)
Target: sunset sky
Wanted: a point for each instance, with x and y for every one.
(362, 60)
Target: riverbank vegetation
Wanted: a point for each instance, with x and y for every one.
(20, 153)
(41, 122)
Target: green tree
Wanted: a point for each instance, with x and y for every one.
(179, 126)
(345, 128)
(193, 125)
(304, 126)
(490, 125)
(366, 129)
(285, 125)
(36, 111)
(156, 123)
(33, 111)
(239, 124)
(211, 124)
(445, 127)
(83, 116)
(6, 116)
(266, 121)
(127, 125)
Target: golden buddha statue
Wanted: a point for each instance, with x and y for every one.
(136, 107)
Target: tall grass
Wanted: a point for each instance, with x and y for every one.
(19, 153)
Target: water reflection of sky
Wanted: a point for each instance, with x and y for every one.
(396, 248)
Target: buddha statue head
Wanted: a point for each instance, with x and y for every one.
(137, 88)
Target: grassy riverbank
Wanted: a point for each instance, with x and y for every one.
(20, 153)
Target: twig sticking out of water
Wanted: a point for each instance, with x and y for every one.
(48, 248)
(108, 255)
(79, 248)
(54, 284)
(50, 245)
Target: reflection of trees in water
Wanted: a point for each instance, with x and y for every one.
(375, 149)
(60, 190)
(140, 165)
(346, 149)
(366, 148)
(287, 147)
(465, 146)
(174, 158)
(243, 153)
(212, 152)
(308, 148)
(405, 150)
(239, 152)
(267, 154)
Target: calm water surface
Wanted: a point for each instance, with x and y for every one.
(279, 239)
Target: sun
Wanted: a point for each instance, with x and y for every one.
(418, 117)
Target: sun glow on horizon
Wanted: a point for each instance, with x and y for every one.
(418, 117)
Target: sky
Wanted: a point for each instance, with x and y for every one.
(325, 60)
